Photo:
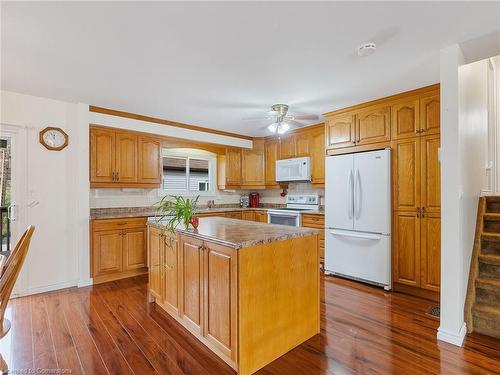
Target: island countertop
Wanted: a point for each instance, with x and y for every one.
(239, 233)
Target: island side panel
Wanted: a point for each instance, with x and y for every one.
(278, 292)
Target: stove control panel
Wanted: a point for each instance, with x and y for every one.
(302, 199)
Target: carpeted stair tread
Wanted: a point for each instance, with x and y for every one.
(487, 283)
(489, 258)
(486, 320)
(487, 311)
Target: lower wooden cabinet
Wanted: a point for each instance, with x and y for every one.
(261, 216)
(316, 221)
(118, 248)
(248, 215)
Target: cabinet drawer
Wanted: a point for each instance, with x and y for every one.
(233, 215)
(112, 224)
(313, 221)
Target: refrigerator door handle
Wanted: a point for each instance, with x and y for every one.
(350, 194)
(364, 236)
(358, 195)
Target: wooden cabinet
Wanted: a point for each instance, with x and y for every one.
(234, 215)
(430, 187)
(302, 145)
(118, 248)
(406, 118)
(430, 247)
(429, 114)
(271, 155)
(373, 125)
(121, 158)
(248, 215)
(406, 248)
(191, 268)
(155, 262)
(287, 147)
(317, 153)
(171, 282)
(252, 168)
(233, 166)
(316, 221)
(220, 270)
(261, 216)
(340, 131)
(406, 174)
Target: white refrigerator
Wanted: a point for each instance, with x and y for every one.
(358, 217)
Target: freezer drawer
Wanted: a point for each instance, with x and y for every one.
(359, 255)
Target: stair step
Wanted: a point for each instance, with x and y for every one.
(486, 320)
(493, 204)
(490, 244)
(491, 223)
(489, 258)
(489, 284)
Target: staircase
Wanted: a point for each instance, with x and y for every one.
(482, 308)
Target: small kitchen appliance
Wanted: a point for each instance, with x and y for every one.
(295, 169)
(254, 200)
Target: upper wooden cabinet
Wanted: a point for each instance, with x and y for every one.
(253, 166)
(340, 131)
(406, 174)
(405, 119)
(233, 166)
(430, 171)
(317, 153)
(373, 125)
(270, 157)
(288, 147)
(430, 114)
(303, 145)
(123, 159)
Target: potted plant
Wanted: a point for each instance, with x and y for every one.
(176, 210)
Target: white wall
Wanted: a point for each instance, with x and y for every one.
(53, 179)
(464, 158)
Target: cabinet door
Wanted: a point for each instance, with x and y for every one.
(252, 167)
(149, 161)
(302, 145)
(429, 115)
(171, 278)
(340, 131)
(220, 302)
(248, 215)
(271, 155)
(261, 216)
(406, 248)
(134, 248)
(191, 261)
(126, 157)
(107, 252)
(430, 174)
(317, 152)
(102, 155)
(155, 262)
(287, 147)
(233, 166)
(234, 215)
(373, 125)
(405, 119)
(406, 174)
(431, 251)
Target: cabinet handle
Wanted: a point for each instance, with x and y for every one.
(167, 267)
(113, 176)
(418, 211)
(423, 211)
(123, 223)
(117, 176)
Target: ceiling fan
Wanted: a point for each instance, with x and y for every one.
(282, 121)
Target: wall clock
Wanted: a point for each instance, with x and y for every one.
(54, 139)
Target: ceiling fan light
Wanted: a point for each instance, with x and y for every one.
(273, 127)
(283, 128)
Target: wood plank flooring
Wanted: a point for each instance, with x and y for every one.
(110, 329)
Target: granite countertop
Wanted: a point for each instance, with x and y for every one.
(124, 212)
(239, 233)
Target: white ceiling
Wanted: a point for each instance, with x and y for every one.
(211, 64)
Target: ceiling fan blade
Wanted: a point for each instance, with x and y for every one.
(302, 117)
(258, 118)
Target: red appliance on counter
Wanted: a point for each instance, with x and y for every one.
(254, 200)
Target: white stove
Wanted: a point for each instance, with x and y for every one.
(295, 205)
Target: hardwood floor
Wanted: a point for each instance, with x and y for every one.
(110, 329)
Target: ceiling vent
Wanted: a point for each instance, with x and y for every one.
(366, 49)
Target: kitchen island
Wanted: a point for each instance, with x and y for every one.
(248, 291)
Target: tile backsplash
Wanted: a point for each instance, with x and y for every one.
(101, 198)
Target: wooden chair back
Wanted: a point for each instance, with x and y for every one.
(11, 271)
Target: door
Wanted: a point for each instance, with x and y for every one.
(220, 302)
(431, 251)
(102, 155)
(430, 115)
(430, 174)
(317, 151)
(406, 174)
(155, 262)
(406, 248)
(339, 192)
(134, 248)
(252, 168)
(405, 119)
(373, 125)
(372, 192)
(287, 147)
(149, 161)
(108, 250)
(191, 261)
(233, 166)
(171, 276)
(271, 155)
(340, 132)
(126, 157)
(365, 256)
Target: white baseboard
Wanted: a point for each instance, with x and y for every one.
(85, 282)
(455, 338)
(45, 288)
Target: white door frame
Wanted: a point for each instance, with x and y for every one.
(19, 167)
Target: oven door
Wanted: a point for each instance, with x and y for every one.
(283, 218)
